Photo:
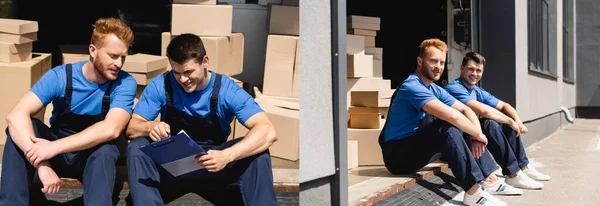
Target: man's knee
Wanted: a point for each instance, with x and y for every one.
(489, 124)
(133, 147)
(106, 150)
(451, 131)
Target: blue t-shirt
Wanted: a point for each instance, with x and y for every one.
(233, 101)
(87, 96)
(406, 110)
(464, 94)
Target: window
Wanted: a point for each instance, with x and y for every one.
(568, 66)
(539, 36)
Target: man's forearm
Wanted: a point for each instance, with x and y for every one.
(138, 128)
(512, 113)
(460, 121)
(472, 117)
(257, 140)
(94, 135)
(21, 129)
(498, 116)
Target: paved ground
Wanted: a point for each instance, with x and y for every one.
(571, 156)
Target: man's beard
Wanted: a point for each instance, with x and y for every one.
(425, 73)
(103, 71)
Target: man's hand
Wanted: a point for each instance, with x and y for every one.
(48, 178)
(160, 131)
(40, 150)
(215, 160)
(523, 129)
(477, 148)
(515, 126)
(481, 138)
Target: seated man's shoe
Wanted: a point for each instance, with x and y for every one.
(501, 188)
(523, 181)
(536, 175)
(481, 197)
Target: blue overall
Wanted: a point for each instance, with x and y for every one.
(436, 139)
(152, 185)
(94, 167)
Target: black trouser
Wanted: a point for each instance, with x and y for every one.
(407, 155)
(507, 149)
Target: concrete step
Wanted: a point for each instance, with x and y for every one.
(368, 185)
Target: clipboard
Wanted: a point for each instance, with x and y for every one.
(176, 154)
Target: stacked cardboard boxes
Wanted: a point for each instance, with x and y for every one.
(281, 87)
(368, 94)
(20, 67)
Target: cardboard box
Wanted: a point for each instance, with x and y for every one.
(370, 41)
(352, 154)
(10, 53)
(165, 39)
(364, 19)
(72, 53)
(202, 20)
(138, 94)
(376, 52)
(377, 68)
(18, 38)
(201, 2)
(279, 65)
(360, 65)
(18, 26)
(278, 102)
(362, 25)
(226, 54)
(144, 63)
(364, 84)
(284, 20)
(355, 44)
(385, 84)
(362, 32)
(367, 117)
(370, 99)
(144, 78)
(296, 81)
(20, 77)
(364, 22)
(369, 151)
(232, 129)
(286, 123)
(240, 129)
(72, 58)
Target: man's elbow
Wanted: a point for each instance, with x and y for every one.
(486, 114)
(114, 133)
(272, 136)
(12, 116)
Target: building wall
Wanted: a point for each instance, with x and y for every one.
(538, 98)
(588, 51)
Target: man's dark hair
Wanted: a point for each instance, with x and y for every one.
(476, 57)
(186, 47)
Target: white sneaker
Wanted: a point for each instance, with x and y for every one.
(501, 188)
(523, 181)
(536, 175)
(481, 197)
